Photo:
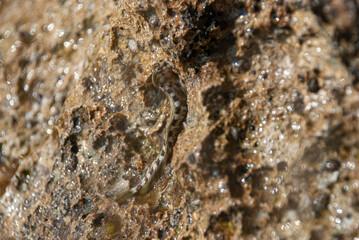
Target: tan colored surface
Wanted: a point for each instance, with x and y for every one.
(269, 149)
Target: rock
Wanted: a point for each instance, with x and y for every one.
(267, 146)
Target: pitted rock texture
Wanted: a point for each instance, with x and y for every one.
(269, 148)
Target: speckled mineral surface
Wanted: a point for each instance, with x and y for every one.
(268, 150)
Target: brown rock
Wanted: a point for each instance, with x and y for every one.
(261, 154)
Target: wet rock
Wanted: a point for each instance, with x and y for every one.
(256, 101)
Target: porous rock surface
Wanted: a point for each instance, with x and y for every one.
(269, 148)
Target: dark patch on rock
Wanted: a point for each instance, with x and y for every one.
(217, 98)
(192, 158)
(72, 163)
(248, 221)
(118, 122)
(234, 180)
(313, 154)
(133, 142)
(79, 118)
(208, 150)
(98, 220)
(241, 64)
(320, 203)
(82, 206)
(150, 15)
(332, 165)
(219, 226)
(298, 103)
(258, 176)
(71, 141)
(152, 96)
(22, 180)
(316, 234)
(282, 166)
(313, 85)
(99, 140)
(208, 32)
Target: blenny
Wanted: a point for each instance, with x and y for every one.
(169, 83)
